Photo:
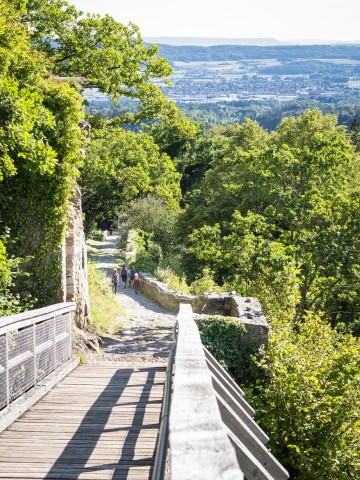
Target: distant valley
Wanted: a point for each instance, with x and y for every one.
(222, 84)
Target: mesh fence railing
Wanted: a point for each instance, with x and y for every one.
(32, 345)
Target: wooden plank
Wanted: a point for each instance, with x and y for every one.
(99, 423)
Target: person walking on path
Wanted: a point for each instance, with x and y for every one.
(115, 279)
(132, 275)
(124, 275)
(136, 283)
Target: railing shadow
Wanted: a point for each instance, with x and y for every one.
(84, 441)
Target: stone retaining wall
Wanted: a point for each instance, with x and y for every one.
(248, 309)
(74, 272)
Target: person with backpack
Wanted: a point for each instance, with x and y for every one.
(132, 275)
(124, 273)
(136, 283)
(115, 280)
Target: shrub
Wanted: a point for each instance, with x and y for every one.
(11, 303)
(99, 235)
(204, 283)
(310, 402)
(222, 336)
(175, 282)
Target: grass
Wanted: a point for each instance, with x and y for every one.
(105, 309)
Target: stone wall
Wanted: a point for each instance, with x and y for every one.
(74, 278)
(248, 309)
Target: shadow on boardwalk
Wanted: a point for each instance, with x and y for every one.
(123, 416)
(102, 420)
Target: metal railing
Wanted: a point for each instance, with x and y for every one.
(32, 345)
(162, 445)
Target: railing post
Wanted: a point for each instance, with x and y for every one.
(34, 351)
(70, 333)
(54, 338)
(7, 369)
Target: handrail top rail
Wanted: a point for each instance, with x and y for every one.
(30, 317)
(199, 444)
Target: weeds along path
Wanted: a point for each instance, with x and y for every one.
(146, 336)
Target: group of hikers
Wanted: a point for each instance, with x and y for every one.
(128, 278)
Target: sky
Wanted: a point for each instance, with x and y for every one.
(281, 19)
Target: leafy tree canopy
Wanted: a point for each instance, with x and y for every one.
(40, 142)
(121, 166)
(285, 213)
(99, 51)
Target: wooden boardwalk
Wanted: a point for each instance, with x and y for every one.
(100, 422)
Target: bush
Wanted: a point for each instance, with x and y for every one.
(173, 281)
(99, 235)
(310, 401)
(11, 303)
(204, 283)
(222, 337)
(145, 254)
(153, 216)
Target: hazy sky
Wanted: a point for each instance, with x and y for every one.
(281, 19)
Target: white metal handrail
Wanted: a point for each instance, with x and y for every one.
(32, 345)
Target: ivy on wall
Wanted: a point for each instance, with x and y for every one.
(40, 142)
(34, 203)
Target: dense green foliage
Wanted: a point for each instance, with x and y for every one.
(48, 52)
(152, 216)
(269, 112)
(223, 337)
(101, 51)
(310, 399)
(40, 143)
(121, 166)
(279, 214)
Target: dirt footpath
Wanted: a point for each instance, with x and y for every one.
(147, 333)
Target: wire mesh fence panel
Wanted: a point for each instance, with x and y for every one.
(63, 324)
(32, 345)
(63, 347)
(3, 388)
(45, 345)
(21, 361)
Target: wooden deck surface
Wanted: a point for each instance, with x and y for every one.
(100, 422)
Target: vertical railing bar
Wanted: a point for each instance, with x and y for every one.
(34, 351)
(70, 335)
(54, 334)
(7, 369)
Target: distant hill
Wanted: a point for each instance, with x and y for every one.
(206, 42)
(283, 53)
(260, 42)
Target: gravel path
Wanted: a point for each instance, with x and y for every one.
(146, 336)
